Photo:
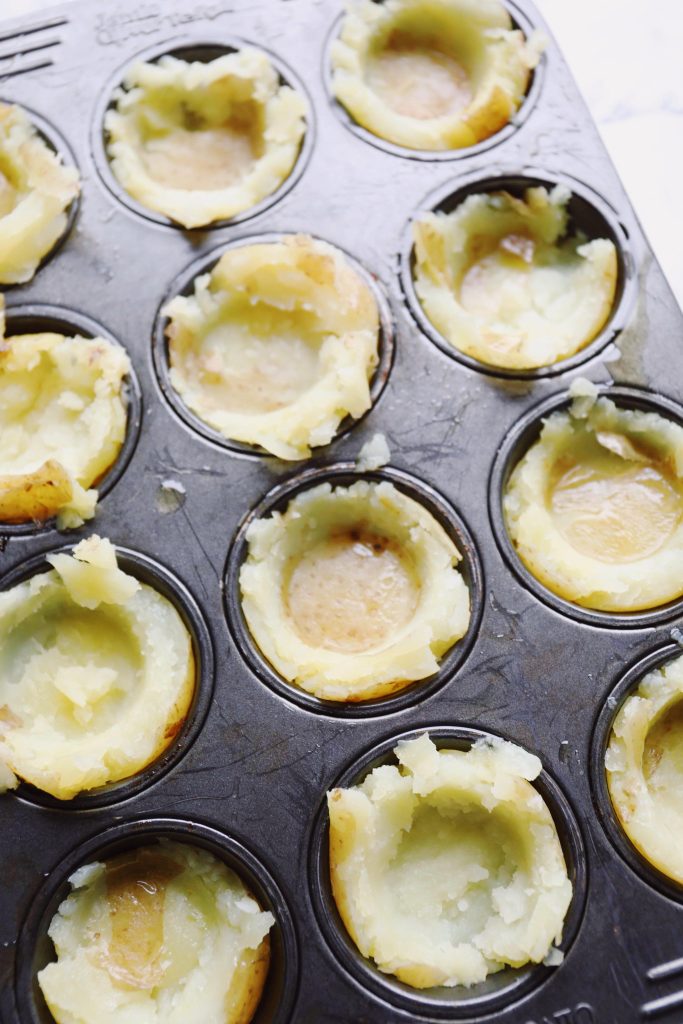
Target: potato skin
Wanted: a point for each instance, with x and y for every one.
(35, 496)
(63, 416)
(247, 984)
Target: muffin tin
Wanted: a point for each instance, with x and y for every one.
(248, 776)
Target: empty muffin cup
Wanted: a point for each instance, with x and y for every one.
(431, 75)
(201, 141)
(594, 507)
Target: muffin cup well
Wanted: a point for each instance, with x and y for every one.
(344, 474)
(499, 990)
(602, 730)
(58, 144)
(203, 50)
(518, 441)
(183, 284)
(519, 21)
(36, 318)
(149, 572)
(588, 212)
(35, 947)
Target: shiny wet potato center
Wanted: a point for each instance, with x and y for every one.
(350, 592)
(136, 892)
(420, 81)
(663, 755)
(612, 512)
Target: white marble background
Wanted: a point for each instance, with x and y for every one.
(626, 59)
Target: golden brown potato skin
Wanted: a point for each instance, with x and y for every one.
(35, 496)
(247, 984)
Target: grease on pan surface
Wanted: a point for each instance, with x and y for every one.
(36, 190)
(431, 74)
(353, 593)
(448, 867)
(505, 282)
(160, 933)
(96, 674)
(202, 142)
(594, 508)
(62, 420)
(644, 765)
(276, 346)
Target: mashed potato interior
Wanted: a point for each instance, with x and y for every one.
(96, 673)
(595, 507)
(276, 346)
(448, 867)
(644, 765)
(431, 74)
(201, 142)
(165, 932)
(36, 190)
(353, 593)
(506, 281)
(63, 422)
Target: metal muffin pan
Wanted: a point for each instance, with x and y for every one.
(254, 772)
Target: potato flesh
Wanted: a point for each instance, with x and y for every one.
(489, 280)
(445, 869)
(96, 674)
(261, 360)
(663, 756)
(644, 767)
(431, 74)
(448, 867)
(135, 894)
(276, 346)
(62, 420)
(419, 81)
(164, 932)
(506, 281)
(595, 506)
(8, 195)
(201, 142)
(350, 592)
(36, 190)
(207, 159)
(613, 512)
(410, 649)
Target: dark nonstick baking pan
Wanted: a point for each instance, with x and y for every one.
(247, 777)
